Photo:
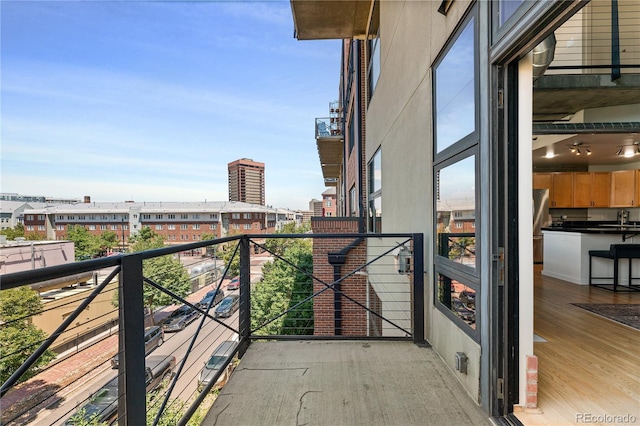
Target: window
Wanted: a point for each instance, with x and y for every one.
(125, 227)
(29, 217)
(114, 217)
(455, 177)
(236, 226)
(29, 227)
(171, 227)
(104, 217)
(247, 215)
(195, 237)
(158, 227)
(60, 217)
(213, 216)
(93, 217)
(375, 194)
(40, 227)
(247, 226)
(196, 226)
(235, 215)
(184, 227)
(103, 227)
(159, 217)
(114, 227)
(82, 217)
(196, 216)
(184, 216)
(146, 217)
(456, 110)
(373, 37)
(70, 217)
(60, 227)
(213, 226)
(328, 202)
(171, 216)
(92, 227)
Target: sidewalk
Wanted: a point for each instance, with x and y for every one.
(56, 381)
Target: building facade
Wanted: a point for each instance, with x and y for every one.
(452, 95)
(246, 181)
(176, 222)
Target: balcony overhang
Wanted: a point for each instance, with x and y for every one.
(330, 19)
(330, 152)
(558, 96)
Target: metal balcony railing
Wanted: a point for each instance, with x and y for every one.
(601, 38)
(307, 286)
(327, 127)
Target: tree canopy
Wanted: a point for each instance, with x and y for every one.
(18, 336)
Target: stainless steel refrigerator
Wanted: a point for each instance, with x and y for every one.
(541, 218)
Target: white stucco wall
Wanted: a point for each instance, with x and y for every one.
(399, 121)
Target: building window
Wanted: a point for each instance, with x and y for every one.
(82, 217)
(328, 202)
(29, 227)
(60, 227)
(184, 216)
(40, 227)
(196, 216)
(103, 227)
(184, 227)
(146, 217)
(373, 37)
(213, 216)
(247, 226)
(247, 215)
(375, 194)
(196, 226)
(114, 227)
(125, 227)
(456, 111)
(236, 226)
(171, 216)
(235, 215)
(68, 217)
(195, 237)
(171, 227)
(159, 217)
(104, 217)
(60, 217)
(455, 177)
(92, 227)
(158, 227)
(213, 226)
(114, 217)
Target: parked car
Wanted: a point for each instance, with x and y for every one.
(153, 337)
(103, 404)
(228, 306)
(217, 296)
(234, 284)
(180, 318)
(215, 363)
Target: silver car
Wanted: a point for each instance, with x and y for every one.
(215, 363)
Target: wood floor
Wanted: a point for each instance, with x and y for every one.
(589, 365)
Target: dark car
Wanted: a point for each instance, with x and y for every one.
(217, 296)
(103, 405)
(234, 284)
(180, 318)
(153, 337)
(228, 306)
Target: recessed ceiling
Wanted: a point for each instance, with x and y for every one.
(603, 149)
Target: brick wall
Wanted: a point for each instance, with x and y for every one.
(353, 316)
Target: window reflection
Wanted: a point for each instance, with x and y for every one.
(506, 9)
(459, 298)
(456, 212)
(455, 91)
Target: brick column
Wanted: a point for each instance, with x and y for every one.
(354, 319)
(532, 382)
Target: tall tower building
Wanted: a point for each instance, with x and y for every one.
(246, 181)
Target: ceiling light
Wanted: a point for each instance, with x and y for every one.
(578, 151)
(588, 151)
(619, 152)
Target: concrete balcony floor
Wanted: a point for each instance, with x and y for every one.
(343, 383)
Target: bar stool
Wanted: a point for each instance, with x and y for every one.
(615, 253)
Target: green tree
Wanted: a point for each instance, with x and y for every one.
(281, 287)
(233, 262)
(18, 336)
(13, 233)
(86, 244)
(166, 271)
(108, 240)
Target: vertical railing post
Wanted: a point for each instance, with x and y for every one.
(131, 369)
(245, 296)
(418, 290)
(615, 42)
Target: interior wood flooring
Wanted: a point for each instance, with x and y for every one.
(589, 364)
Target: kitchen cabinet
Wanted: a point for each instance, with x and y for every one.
(560, 186)
(624, 188)
(591, 189)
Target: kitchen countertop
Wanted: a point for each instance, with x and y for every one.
(634, 229)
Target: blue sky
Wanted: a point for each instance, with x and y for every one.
(149, 101)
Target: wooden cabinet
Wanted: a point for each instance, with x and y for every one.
(560, 186)
(624, 188)
(591, 189)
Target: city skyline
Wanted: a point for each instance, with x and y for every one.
(150, 101)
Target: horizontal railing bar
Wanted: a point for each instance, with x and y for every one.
(312, 337)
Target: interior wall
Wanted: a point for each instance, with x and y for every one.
(525, 219)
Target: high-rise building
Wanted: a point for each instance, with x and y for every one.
(246, 181)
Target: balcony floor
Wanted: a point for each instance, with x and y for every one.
(343, 383)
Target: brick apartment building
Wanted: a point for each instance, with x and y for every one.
(176, 222)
